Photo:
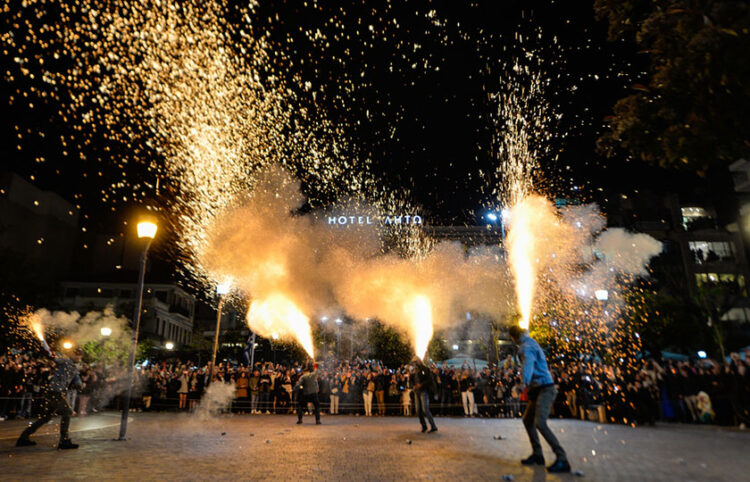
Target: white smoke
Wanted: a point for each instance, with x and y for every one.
(217, 399)
(81, 329)
(628, 253)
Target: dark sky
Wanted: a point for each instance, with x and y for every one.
(412, 90)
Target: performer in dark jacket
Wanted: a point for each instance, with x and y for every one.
(307, 391)
(424, 386)
(64, 376)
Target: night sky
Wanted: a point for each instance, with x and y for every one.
(410, 84)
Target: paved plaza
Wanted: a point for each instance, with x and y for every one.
(183, 447)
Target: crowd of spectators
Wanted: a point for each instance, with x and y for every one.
(23, 378)
(702, 391)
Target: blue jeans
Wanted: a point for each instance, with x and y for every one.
(535, 418)
(422, 402)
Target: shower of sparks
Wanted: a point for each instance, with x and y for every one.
(522, 132)
(177, 105)
(194, 98)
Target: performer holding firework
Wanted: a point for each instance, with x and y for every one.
(542, 392)
(55, 402)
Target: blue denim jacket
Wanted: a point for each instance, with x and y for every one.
(535, 371)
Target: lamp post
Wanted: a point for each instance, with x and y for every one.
(339, 321)
(146, 231)
(274, 337)
(351, 341)
(221, 289)
(493, 216)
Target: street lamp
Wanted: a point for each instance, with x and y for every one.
(169, 345)
(67, 345)
(221, 289)
(501, 216)
(106, 331)
(338, 337)
(146, 231)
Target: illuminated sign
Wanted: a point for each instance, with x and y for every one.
(410, 220)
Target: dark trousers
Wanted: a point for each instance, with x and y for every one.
(302, 405)
(535, 418)
(380, 397)
(422, 402)
(53, 403)
(265, 401)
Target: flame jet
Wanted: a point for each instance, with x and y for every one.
(278, 315)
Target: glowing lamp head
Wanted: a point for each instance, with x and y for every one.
(601, 295)
(169, 345)
(492, 216)
(146, 229)
(339, 321)
(702, 354)
(223, 288)
(275, 336)
(455, 347)
(106, 331)
(67, 345)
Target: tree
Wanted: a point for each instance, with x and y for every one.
(666, 322)
(388, 345)
(693, 112)
(438, 349)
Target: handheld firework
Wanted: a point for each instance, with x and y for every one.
(36, 327)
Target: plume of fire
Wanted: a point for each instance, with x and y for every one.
(420, 311)
(34, 322)
(277, 316)
(534, 230)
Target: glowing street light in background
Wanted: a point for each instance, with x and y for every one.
(67, 345)
(702, 354)
(601, 295)
(502, 216)
(169, 345)
(275, 336)
(455, 347)
(223, 288)
(105, 331)
(146, 229)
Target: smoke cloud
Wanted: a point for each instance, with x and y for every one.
(270, 252)
(295, 266)
(81, 329)
(218, 398)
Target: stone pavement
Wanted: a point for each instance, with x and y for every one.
(235, 447)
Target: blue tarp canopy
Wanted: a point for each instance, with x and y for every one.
(460, 361)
